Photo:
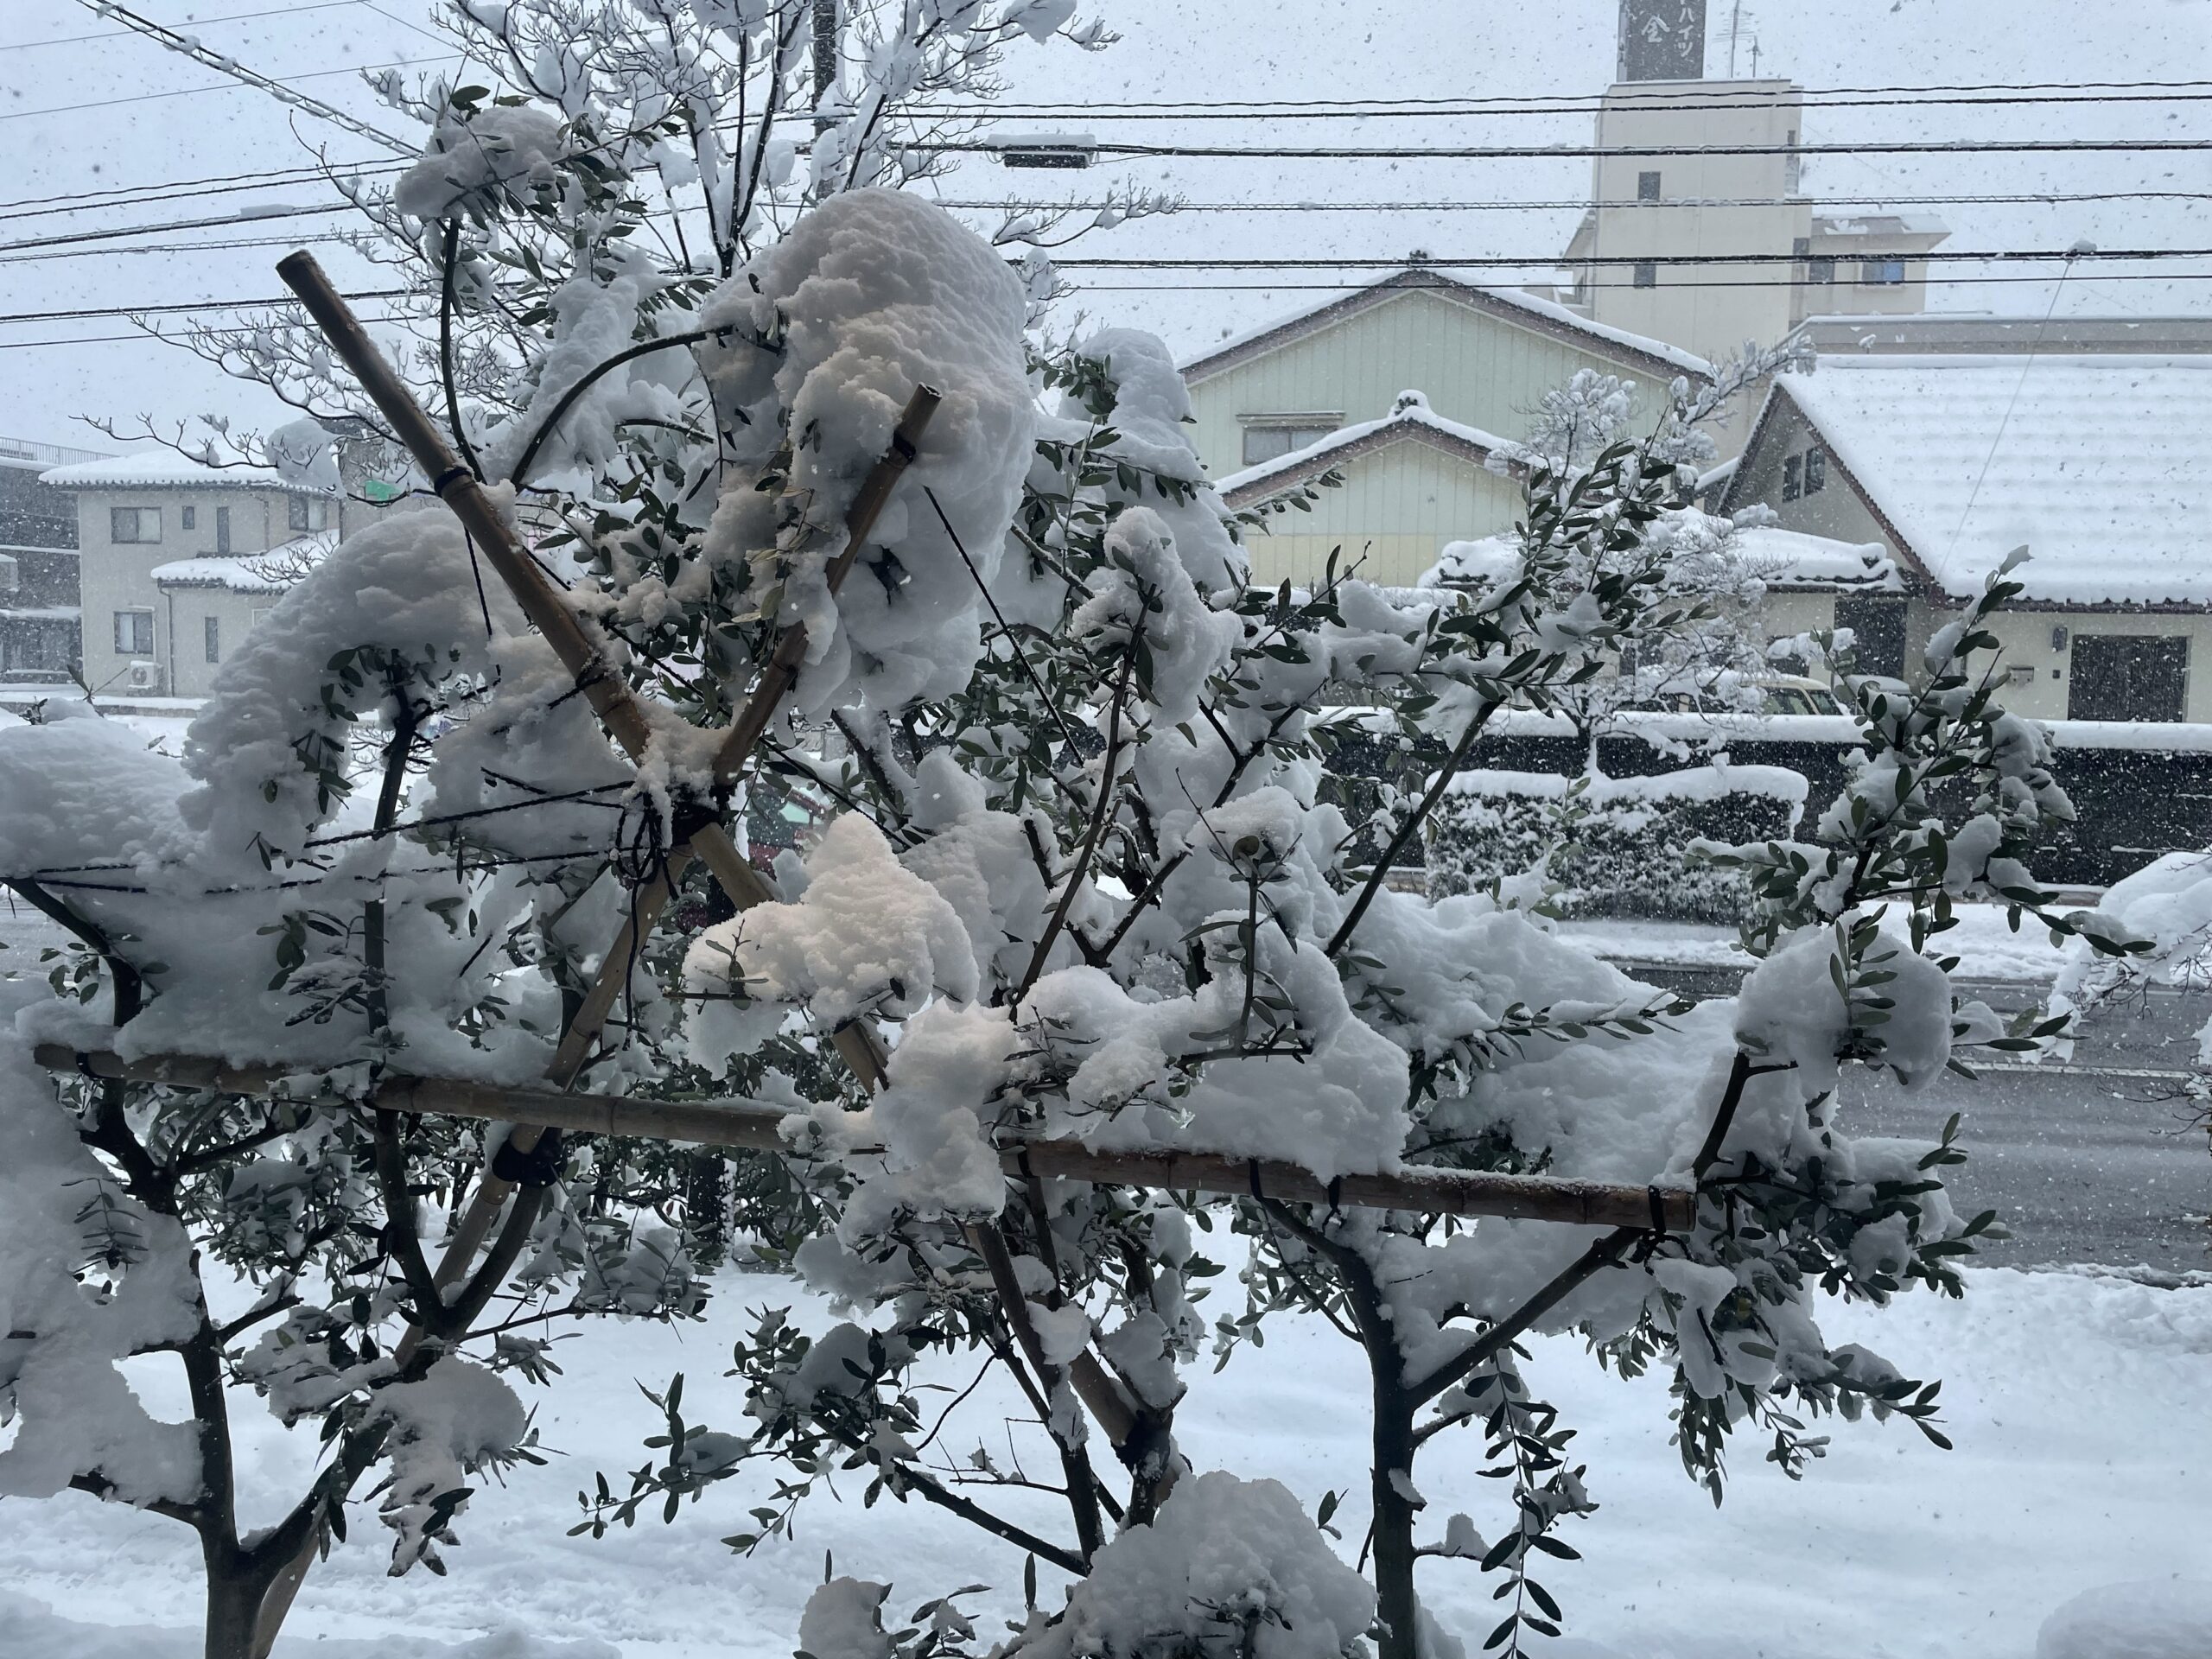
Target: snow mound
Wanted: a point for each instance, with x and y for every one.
(2151, 1619)
(1226, 1557)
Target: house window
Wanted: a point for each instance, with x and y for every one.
(2128, 677)
(1267, 440)
(214, 641)
(133, 633)
(1876, 624)
(1647, 186)
(9, 579)
(1647, 273)
(134, 523)
(1819, 271)
(303, 513)
(1816, 471)
(1789, 464)
(222, 529)
(1881, 273)
(187, 518)
(261, 615)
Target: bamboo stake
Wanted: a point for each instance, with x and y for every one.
(610, 696)
(582, 652)
(750, 1125)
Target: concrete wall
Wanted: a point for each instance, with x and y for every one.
(1476, 368)
(119, 576)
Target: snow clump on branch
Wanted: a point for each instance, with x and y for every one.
(872, 294)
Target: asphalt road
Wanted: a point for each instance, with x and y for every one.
(2084, 1162)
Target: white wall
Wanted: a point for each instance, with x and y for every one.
(1685, 309)
(118, 577)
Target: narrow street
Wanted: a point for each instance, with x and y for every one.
(2093, 1161)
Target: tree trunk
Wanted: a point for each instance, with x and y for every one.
(235, 1594)
(1392, 1475)
(706, 1208)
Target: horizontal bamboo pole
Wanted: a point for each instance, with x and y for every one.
(750, 1126)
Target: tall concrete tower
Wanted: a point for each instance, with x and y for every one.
(1661, 40)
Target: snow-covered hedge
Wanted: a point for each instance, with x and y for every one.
(1610, 846)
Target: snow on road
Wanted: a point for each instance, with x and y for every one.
(1984, 941)
(2077, 1405)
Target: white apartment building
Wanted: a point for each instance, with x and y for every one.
(1699, 233)
(177, 561)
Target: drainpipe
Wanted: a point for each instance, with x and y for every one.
(168, 680)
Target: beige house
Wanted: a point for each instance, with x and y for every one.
(2092, 462)
(177, 561)
(1406, 388)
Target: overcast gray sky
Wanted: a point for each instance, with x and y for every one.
(86, 106)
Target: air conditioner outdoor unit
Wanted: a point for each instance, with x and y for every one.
(145, 676)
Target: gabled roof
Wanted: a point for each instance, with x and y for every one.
(1410, 418)
(165, 469)
(2095, 464)
(1523, 310)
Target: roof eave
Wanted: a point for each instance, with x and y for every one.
(1415, 279)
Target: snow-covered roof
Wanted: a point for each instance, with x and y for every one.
(1790, 558)
(2097, 464)
(1410, 416)
(165, 469)
(1879, 224)
(1544, 313)
(257, 574)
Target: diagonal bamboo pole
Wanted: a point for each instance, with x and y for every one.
(582, 653)
(750, 1126)
(611, 698)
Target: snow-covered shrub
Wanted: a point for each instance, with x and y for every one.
(1609, 846)
(1087, 879)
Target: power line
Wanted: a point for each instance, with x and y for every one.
(1804, 92)
(304, 172)
(1264, 286)
(1572, 152)
(227, 220)
(1166, 288)
(1507, 262)
(138, 338)
(192, 305)
(319, 238)
(1472, 109)
(1864, 204)
(197, 23)
(246, 77)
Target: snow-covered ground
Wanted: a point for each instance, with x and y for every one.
(1984, 942)
(2077, 1404)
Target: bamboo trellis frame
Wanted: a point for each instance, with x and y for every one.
(747, 1125)
(741, 1125)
